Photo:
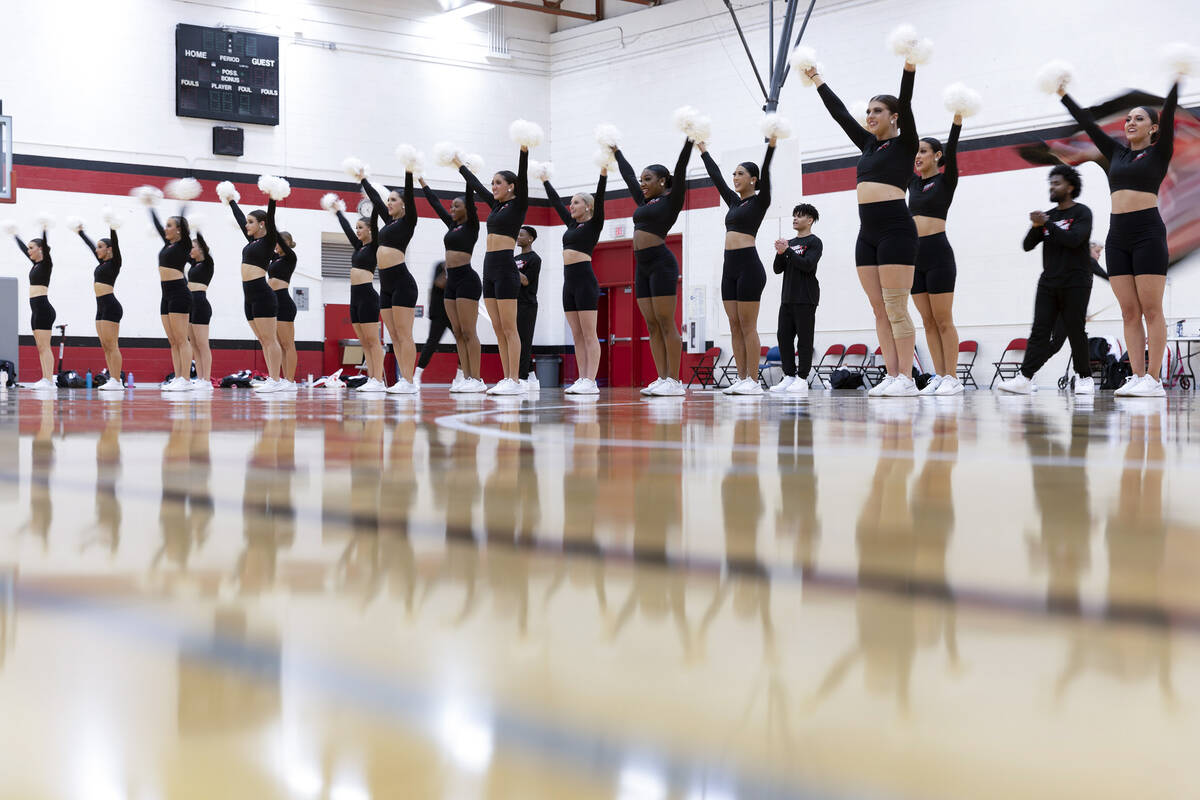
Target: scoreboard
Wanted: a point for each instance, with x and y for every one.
(226, 75)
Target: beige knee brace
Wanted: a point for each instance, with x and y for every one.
(896, 303)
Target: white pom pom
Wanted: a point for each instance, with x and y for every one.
(695, 125)
(10, 227)
(603, 158)
(473, 162)
(355, 168)
(525, 133)
(409, 157)
(904, 41)
(1054, 76)
(333, 202)
(1182, 59)
(607, 135)
(541, 171)
(147, 195)
(226, 191)
(74, 224)
(444, 153)
(804, 58)
(183, 189)
(858, 110)
(920, 52)
(962, 100)
(776, 127)
(197, 223)
(44, 221)
(111, 218)
(274, 187)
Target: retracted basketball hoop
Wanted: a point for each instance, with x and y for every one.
(7, 190)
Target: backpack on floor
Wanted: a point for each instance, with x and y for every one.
(845, 379)
(70, 379)
(238, 380)
(11, 369)
(1098, 348)
(1115, 373)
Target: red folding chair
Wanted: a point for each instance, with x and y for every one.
(857, 359)
(968, 351)
(828, 363)
(703, 369)
(1007, 367)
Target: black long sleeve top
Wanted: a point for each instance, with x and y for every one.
(887, 161)
(744, 215)
(201, 271)
(364, 254)
(1140, 170)
(173, 255)
(282, 266)
(580, 236)
(657, 214)
(106, 271)
(257, 252)
(395, 233)
(460, 236)
(506, 217)
(530, 265)
(1066, 259)
(931, 197)
(798, 265)
(39, 273)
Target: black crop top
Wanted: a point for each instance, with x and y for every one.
(506, 218)
(106, 272)
(282, 266)
(396, 233)
(658, 214)
(580, 236)
(887, 161)
(530, 265)
(201, 271)
(744, 215)
(39, 273)
(460, 237)
(1140, 170)
(364, 254)
(257, 252)
(931, 197)
(173, 255)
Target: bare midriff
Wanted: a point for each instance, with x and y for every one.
(388, 257)
(871, 192)
(251, 272)
(928, 226)
(276, 284)
(169, 274)
(643, 240)
(39, 291)
(358, 276)
(735, 240)
(575, 257)
(457, 258)
(496, 241)
(1125, 201)
(102, 289)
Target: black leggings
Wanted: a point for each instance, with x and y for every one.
(1058, 337)
(501, 278)
(201, 309)
(108, 308)
(1137, 243)
(1049, 306)
(935, 268)
(286, 306)
(581, 291)
(796, 321)
(657, 272)
(404, 287)
(41, 313)
(438, 325)
(743, 277)
(176, 299)
(462, 283)
(886, 234)
(259, 300)
(364, 303)
(526, 320)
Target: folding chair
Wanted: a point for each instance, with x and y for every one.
(829, 362)
(1006, 367)
(728, 373)
(857, 359)
(703, 370)
(768, 358)
(963, 369)
(874, 369)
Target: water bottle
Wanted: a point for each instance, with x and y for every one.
(87, 380)
(128, 380)
(1179, 328)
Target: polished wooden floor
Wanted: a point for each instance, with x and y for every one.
(340, 597)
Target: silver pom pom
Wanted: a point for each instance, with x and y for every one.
(74, 224)
(607, 135)
(355, 168)
(525, 133)
(541, 171)
(111, 218)
(333, 202)
(274, 187)
(776, 127)
(962, 100)
(1055, 76)
(183, 189)
(1182, 59)
(226, 191)
(804, 58)
(147, 195)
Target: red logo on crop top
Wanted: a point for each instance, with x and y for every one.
(1139, 156)
(929, 186)
(884, 146)
(1062, 224)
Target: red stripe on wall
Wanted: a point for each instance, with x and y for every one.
(152, 364)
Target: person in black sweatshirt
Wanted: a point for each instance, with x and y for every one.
(439, 323)
(1059, 336)
(796, 260)
(1065, 285)
(529, 266)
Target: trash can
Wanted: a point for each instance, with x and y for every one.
(548, 369)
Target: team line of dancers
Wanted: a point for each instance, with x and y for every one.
(905, 187)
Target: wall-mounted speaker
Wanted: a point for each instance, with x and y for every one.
(228, 140)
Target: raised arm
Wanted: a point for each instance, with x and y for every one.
(558, 205)
(523, 177)
(950, 156)
(436, 204)
(162, 234)
(200, 241)
(679, 177)
(348, 230)
(90, 244)
(372, 195)
(1104, 143)
(472, 211)
(116, 247)
(598, 197)
(288, 252)
(1166, 123)
(272, 231)
(240, 217)
(730, 197)
(24, 247)
(631, 181)
(410, 202)
(473, 184)
(908, 123)
(764, 176)
(1034, 237)
(1079, 234)
(837, 109)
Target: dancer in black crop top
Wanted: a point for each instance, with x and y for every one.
(199, 276)
(886, 250)
(1137, 238)
(279, 278)
(659, 196)
(175, 307)
(584, 218)
(259, 304)
(108, 309)
(508, 201)
(930, 193)
(42, 314)
(463, 287)
(364, 300)
(743, 276)
(397, 287)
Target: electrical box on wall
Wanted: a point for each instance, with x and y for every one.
(228, 140)
(696, 324)
(300, 298)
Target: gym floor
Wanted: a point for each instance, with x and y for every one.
(331, 596)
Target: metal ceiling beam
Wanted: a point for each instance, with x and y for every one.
(558, 12)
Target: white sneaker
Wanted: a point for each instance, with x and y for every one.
(111, 385)
(590, 387)
(401, 386)
(932, 386)
(43, 385)
(372, 386)
(1148, 386)
(1128, 386)
(878, 389)
(417, 376)
(178, 385)
(749, 387)
(1017, 385)
(798, 388)
(571, 389)
(473, 386)
(783, 385)
(950, 386)
(201, 385)
(1085, 385)
(733, 387)
(670, 388)
(506, 387)
(532, 383)
(902, 386)
(456, 385)
(268, 387)
(257, 382)
(653, 387)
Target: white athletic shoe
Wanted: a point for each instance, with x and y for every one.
(798, 388)
(372, 386)
(506, 387)
(268, 387)
(571, 389)
(878, 389)
(1148, 386)
(950, 386)
(902, 386)
(456, 385)
(201, 385)
(1129, 385)
(178, 385)
(532, 383)
(111, 385)
(473, 386)
(44, 384)
(733, 387)
(783, 385)
(932, 386)
(1017, 385)
(589, 387)
(1085, 385)
(401, 386)
(749, 387)
(257, 382)
(417, 376)
(670, 388)
(653, 387)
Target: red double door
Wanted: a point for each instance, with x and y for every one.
(625, 358)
